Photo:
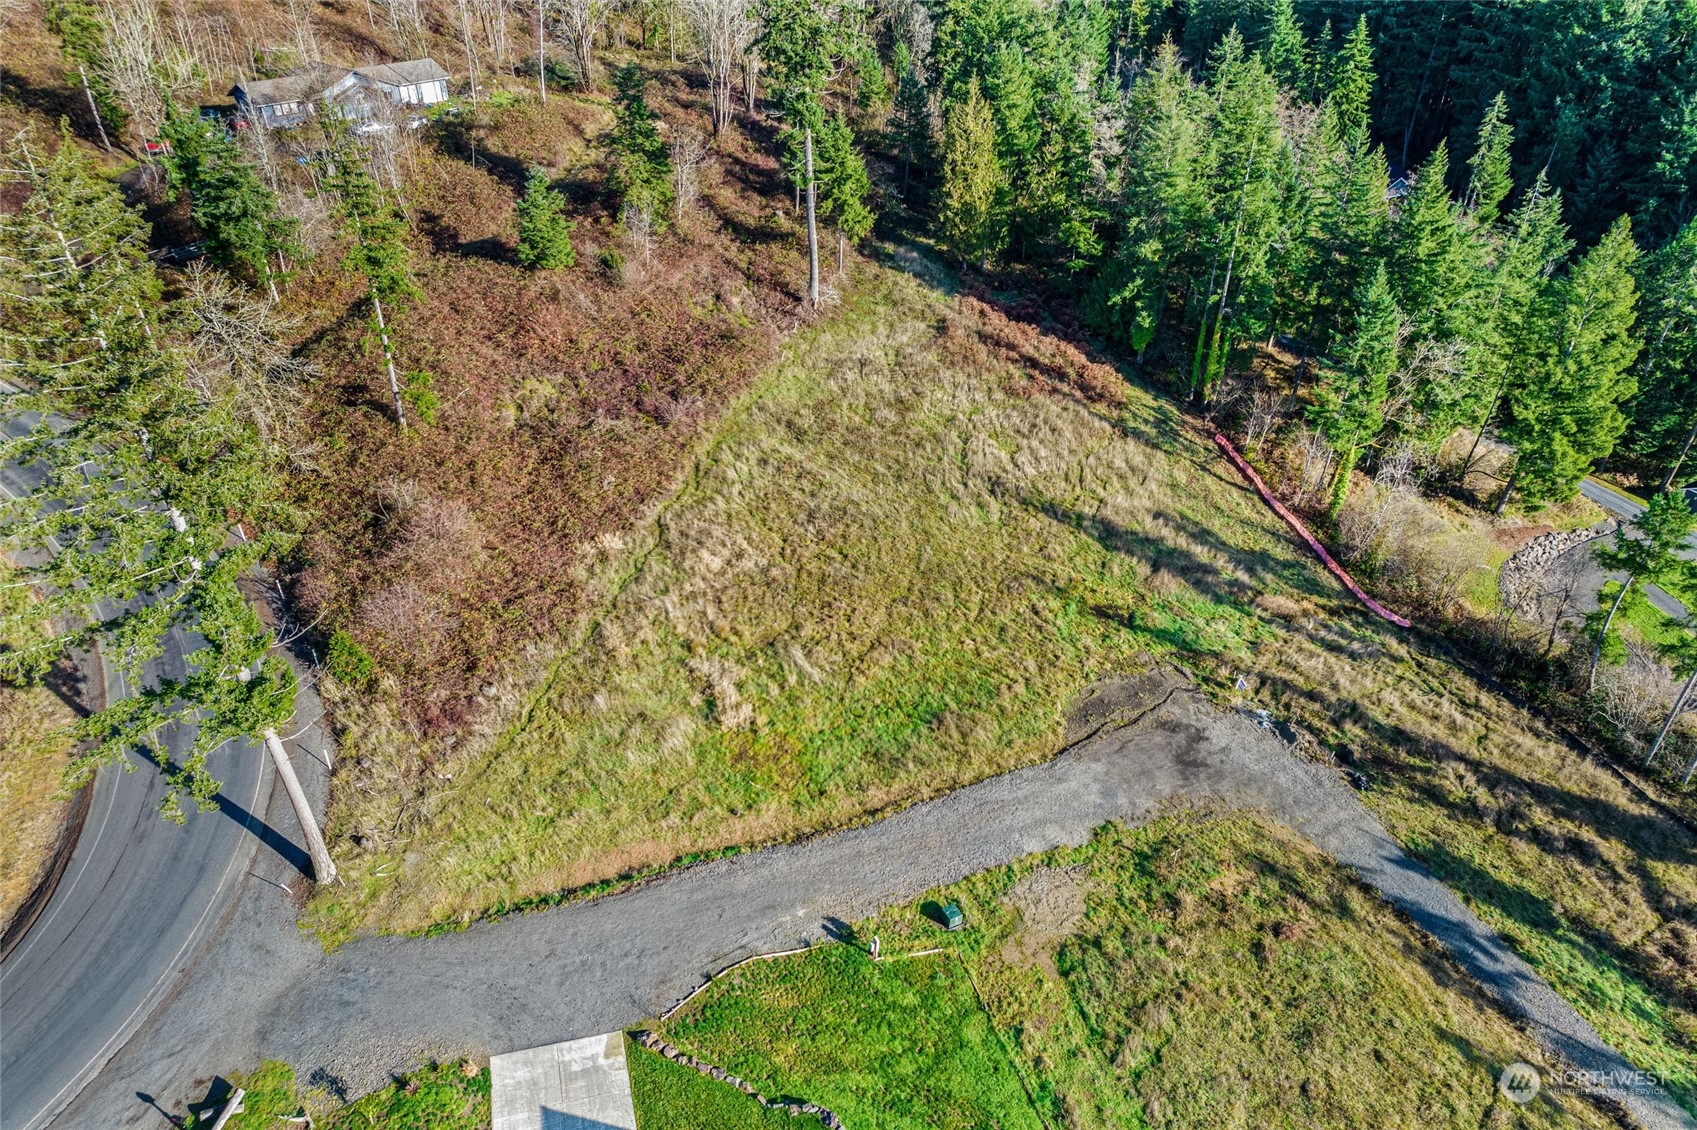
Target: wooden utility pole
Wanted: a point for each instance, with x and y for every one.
(323, 870)
(231, 1109)
(812, 226)
(94, 109)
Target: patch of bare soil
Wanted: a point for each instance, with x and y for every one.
(1051, 903)
(1116, 702)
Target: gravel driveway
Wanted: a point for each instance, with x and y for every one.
(379, 1004)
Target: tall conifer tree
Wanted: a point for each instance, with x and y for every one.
(972, 211)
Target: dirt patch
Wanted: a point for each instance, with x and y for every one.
(1512, 538)
(1119, 701)
(1051, 904)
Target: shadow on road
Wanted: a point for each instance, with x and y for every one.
(294, 856)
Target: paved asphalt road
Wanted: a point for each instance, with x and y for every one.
(1628, 508)
(137, 901)
(346, 1019)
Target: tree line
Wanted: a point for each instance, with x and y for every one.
(1201, 205)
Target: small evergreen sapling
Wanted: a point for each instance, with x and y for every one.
(641, 174)
(545, 234)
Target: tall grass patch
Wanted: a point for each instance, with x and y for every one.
(888, 573)
(1198, 971)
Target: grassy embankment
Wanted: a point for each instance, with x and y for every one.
(672, 1097)
(886, 576)
(439, 1097)
(900, 557)
(33, 752)
(1194, 972)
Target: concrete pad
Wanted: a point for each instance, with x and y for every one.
(576, 1085)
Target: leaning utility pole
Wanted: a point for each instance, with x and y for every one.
(812, 226)
(389, 359)
(323, 870)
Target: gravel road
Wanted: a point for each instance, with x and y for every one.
(381, 1004)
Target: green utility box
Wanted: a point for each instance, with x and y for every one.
(953, 919)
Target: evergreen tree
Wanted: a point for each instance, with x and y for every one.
(1243, 216)
(238, 214)
(81, 34)
(797, 44)
(1567, 414)
(1350, 91)
(1491, 181)
(798, 47)
(872, 87)
(1350, 409)
(1351, 226)
(1164, 201)
(843, 185)
(1286, 51)
(1664, 413)
(641, 173)
(910, 123)
(545, 234)
(1429, 250)
(1646, 549)
(1498, 323)
(126, 538)
(972, 211)
(1058, 214)
(378, 252)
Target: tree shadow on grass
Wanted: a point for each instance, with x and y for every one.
(52, 103)
(1159, 553)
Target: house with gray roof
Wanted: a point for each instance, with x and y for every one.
(278, 103)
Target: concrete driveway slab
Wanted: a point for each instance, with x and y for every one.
(575, 1085)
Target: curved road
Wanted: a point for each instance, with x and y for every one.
(346, 1019)
(1625, 507)
(135, 904)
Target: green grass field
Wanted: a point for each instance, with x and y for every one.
(672, 1097)
(897, 1043)
(1198, 971)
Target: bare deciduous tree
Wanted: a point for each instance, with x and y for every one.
(1266, 412)
(639, 228)
(1315, 458)
(723, 30)
(302, 33)
(689, 156)
(580, 22)
(463, 9)
(406, 19)
(1633, 696)
(236, 353)
(142, 64)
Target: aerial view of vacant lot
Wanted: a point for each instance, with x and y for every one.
(691, 564)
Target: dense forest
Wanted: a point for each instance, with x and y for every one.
(1475, 215)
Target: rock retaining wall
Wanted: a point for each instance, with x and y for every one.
(655, 1044)
(1517, 584)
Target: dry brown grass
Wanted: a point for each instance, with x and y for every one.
(570, 402)
(886, 576)
(33, 752)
